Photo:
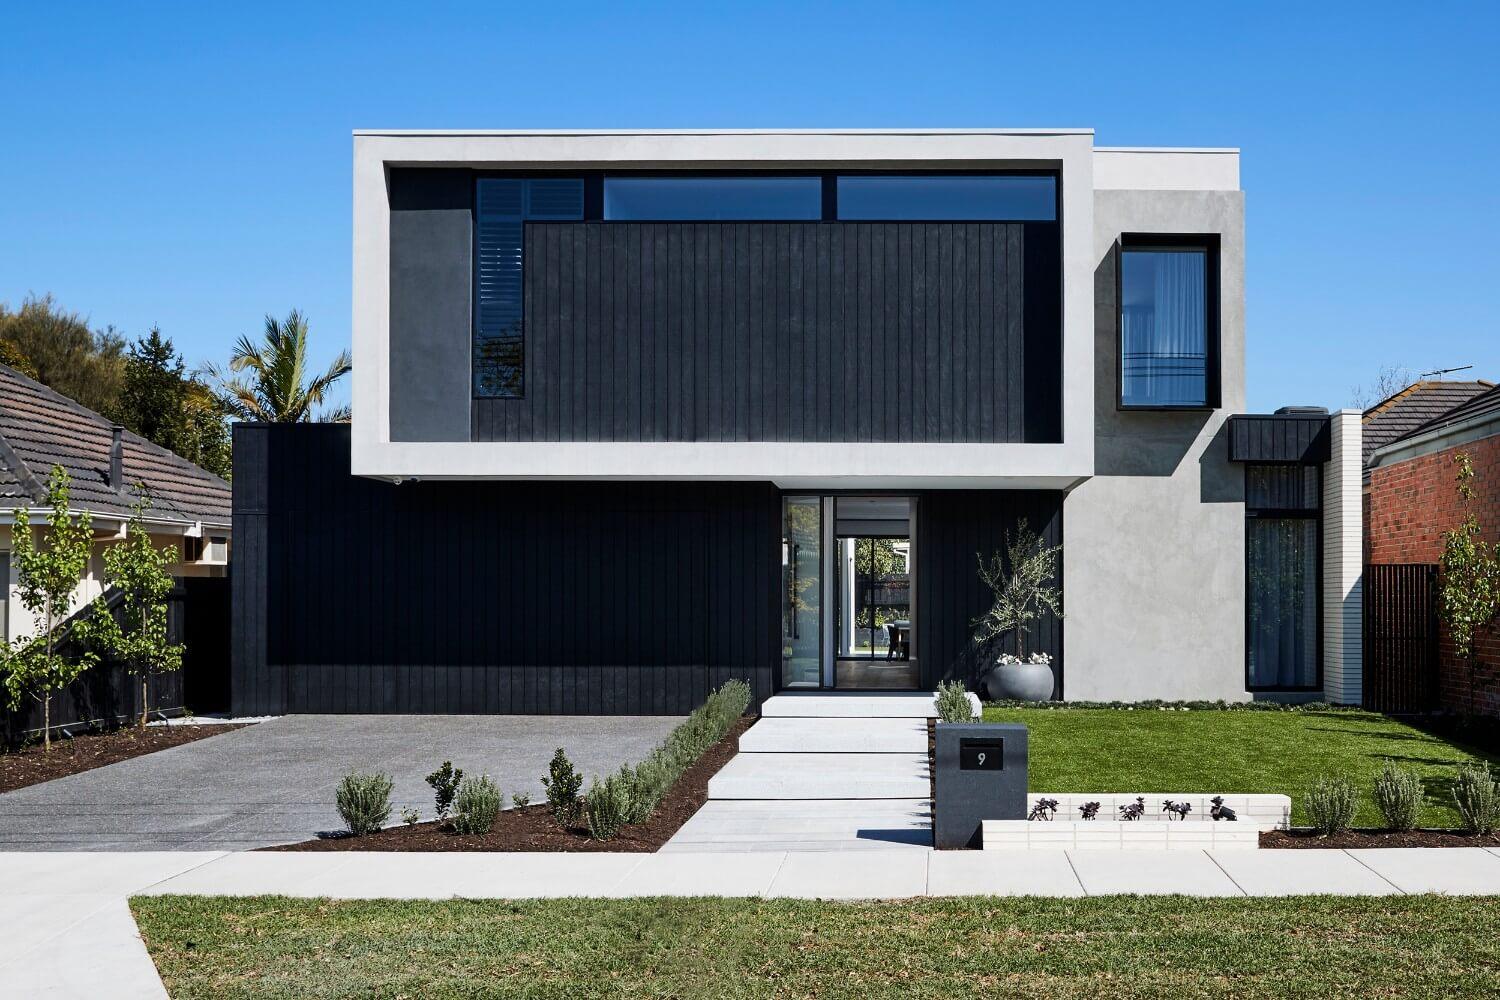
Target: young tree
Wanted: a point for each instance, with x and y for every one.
(137, 636)
(279, 389)
(1469, 581)
(1023, 594)
(47, 573)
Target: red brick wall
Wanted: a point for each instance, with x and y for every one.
(1407, 508)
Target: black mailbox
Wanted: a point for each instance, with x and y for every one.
(981, 774)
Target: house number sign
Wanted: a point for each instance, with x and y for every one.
(981, 755)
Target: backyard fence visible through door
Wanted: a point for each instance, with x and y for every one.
(1401, 637)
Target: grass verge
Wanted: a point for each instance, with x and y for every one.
(1150, 750)
(270, 947)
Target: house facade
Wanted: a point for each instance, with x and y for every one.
(635, 412)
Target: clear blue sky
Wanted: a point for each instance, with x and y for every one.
(190, 165)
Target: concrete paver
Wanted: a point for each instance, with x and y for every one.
(1460, 871)
(1001, 873)
(1151, 873)
(803, 825)
(852, 875)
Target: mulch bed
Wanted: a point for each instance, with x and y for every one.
(1374, 838)
(533, 829)
(30, 765)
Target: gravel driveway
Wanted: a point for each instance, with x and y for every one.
(273, 782)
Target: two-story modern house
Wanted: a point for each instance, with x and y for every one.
(636, 412)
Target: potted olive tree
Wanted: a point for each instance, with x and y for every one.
(1021, 582)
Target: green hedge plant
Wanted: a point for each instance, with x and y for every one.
(607, 805)
(1477, 798)
(476, 805)
(364, 802)
(444, 782)
(1331, 804)
(563, 783)
(1398, 796)
(953, 702)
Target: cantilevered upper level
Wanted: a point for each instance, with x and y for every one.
(871, 308)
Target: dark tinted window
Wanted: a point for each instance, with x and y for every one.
(1281, 487)
(968, 198)
(502, 206)
(651, 199)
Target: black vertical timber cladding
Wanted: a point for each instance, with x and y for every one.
(819, 331)
(353, 595)
(1301, 439)
(955, 527)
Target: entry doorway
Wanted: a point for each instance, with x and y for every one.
(849, 568)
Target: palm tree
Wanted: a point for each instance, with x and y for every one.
(277, 365)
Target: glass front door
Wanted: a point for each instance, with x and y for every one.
(856, 558)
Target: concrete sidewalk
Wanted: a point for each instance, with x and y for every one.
(66, 929)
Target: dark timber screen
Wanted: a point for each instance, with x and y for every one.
(1401, 637)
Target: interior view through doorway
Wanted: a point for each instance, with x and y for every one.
(848, 609)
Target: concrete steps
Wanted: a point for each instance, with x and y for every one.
(833, 705)
(816, 736)
(822, 776)
(802, 825)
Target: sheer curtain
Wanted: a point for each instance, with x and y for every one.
(1165, 332)
(1283, 572)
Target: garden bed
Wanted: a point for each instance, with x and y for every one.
(533, 829)
(31, 765)
(1295, 839)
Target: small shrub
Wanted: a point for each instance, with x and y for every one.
(444, 782)
(563, 783)
(1331, 804)
(953, 702)
(606, 806)
(364, 802)
(478, 803)
(1477, 798)
(520, 799)
(1398, 796)
(410, 816)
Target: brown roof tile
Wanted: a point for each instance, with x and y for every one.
(40, 428)
(1418, 404)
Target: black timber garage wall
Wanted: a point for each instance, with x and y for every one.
(352, 595)
(801, 331)
(954, 527)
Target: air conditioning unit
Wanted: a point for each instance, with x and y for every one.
(209, 550)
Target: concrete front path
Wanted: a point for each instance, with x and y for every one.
(822, 772)
(273, 782)
(66, 930)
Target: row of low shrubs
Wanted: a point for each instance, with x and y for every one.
(630, 795)
(1331, 804)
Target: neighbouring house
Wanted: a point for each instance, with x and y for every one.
(39, 429)
(1411, 501)
(637, 412)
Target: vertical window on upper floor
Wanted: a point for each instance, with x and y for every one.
(1169, 322)
(502, 207)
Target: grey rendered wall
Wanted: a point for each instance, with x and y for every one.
(1154, 563)
(431, 264)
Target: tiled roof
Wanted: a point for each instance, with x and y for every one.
(1418, 404)
(1474, 406)
(40, 428)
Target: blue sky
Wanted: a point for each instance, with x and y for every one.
(189, 165)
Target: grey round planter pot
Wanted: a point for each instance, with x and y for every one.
(1019, 682)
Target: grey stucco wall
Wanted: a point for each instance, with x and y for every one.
(431, 268)
(1154, 565)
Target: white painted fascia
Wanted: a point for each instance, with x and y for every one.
(1135, 168)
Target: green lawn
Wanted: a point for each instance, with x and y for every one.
(263, 947)
(1150, 750)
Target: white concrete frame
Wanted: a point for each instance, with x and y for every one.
(1343, 559)
(791, 465)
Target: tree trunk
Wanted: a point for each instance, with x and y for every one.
(145, 706)
(47, 722)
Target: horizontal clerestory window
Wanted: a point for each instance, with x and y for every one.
(502, 207)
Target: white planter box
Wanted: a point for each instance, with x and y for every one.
(1260, 811)
(1114, 835)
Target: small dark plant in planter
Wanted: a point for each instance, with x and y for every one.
(444, 782)
(1135, 810)
(1219, 811)
(1044, 809)
(1177, 809)
(563, 783)
(1089, 810)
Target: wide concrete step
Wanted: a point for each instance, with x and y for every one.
(805, 735)
(822, 776)
(838, 705)
(802, 825)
